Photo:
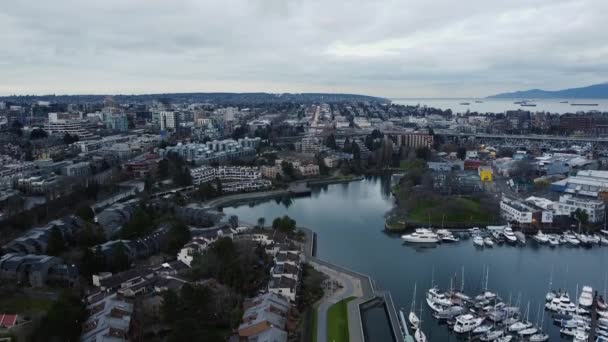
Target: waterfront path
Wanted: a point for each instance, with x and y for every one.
(349, 287)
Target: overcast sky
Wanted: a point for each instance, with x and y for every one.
(391, 48)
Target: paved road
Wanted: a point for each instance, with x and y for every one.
(350, 287)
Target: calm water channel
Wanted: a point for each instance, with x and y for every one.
(349, 219)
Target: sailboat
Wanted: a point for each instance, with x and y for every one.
(540, 336)
(486, 295)
(519, 326)
(414, 320)
(551, 294)
(419, 336)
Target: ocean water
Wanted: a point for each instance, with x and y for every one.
(502, 105)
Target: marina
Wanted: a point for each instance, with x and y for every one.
(348, 220)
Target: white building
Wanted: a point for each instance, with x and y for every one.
(513, 210)
(167, 120)
(196, 246)
(568, 204)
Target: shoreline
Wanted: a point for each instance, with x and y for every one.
(366, 285)
(295, 189)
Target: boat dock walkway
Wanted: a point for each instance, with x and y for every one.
(355, 284)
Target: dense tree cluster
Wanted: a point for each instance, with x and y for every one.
(284, 224)
(194, 314)
(240, 265)
(63, 321)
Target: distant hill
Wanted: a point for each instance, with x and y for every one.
(215, 98)
(596, 91)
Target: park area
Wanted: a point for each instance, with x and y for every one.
(337, 321)
(440, 210)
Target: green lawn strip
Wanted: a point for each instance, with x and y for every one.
(21, 304)
(460, 210)
(313, 324)
(337, 321)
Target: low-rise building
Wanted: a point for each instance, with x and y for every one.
(265, 318)
(81, 169)
(36, 270)
(568, 204)
(109, 319)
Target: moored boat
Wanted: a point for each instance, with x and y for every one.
(540, 237)
(509, 236)
(421, 235)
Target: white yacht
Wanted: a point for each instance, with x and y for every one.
(478, 241)
(466, 323)
(571, 239)
(594, 239)
(540, 237)
(586, 298)
(561, 304)
(509, 236)
(580, 335)
(488, 242)
(421, 235)
(554, 240)
(447, 236)
(438, 297)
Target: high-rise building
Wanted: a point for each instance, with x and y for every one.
(167, 120)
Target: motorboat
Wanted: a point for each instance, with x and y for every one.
(421, 235)
(478, 241)
(521, 237)
(586, 298)
(561, 304)
(492, 335)
(584, 240)
(571, 239)
(450, 313)
(419, 336)
(434, 306)
(539, 337)
(580, 335)
(604, 240)
(474, 230)
(436, 296)
(447, 236)
(509, 236)
(540, 237)
(488, 242)
(482, 329)
(466, 323)
(594, 239)
(554, 241)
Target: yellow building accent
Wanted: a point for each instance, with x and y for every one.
(485, 175)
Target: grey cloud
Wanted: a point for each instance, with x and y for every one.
(393, 48)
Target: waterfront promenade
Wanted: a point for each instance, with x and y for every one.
(354, 284)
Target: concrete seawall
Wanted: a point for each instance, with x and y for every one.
(368, 292)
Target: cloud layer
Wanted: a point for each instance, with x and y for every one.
(392, 48)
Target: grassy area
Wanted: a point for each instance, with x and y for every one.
(313, 324)
(455, 209)
(337, 321)
(20, 304)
